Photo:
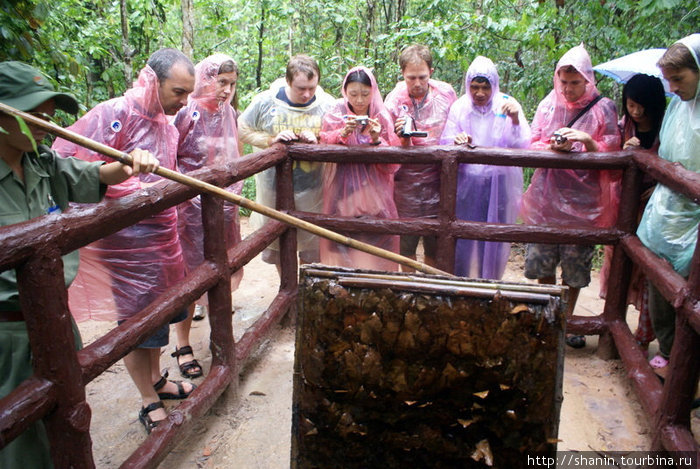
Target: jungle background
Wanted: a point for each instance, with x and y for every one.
(95, 48)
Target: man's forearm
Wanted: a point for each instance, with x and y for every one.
(252, 136)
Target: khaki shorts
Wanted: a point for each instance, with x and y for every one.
(575, 260)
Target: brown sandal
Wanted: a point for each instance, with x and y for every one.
(188, 369)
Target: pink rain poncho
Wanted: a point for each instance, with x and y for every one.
(417, 186)
(669, 226)
(486, 193)
(122, 273)
(572, 197)
(358, 189)
(208, 137)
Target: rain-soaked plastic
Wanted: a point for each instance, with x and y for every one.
(358, 189)
(122, 273)
(268, 116)
(208, 137)
(571, 197)
(669, 226)
(486, 193)
(417, 186)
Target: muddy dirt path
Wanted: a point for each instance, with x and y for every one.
(251, 429)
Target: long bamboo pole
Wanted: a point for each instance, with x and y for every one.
(125, 158)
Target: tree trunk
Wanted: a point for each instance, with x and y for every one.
(261, 36)
(126, 49)
(187, 27)
(371, 5)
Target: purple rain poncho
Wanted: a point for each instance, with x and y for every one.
(486, 193)
(359, 189)
(208, 137)
(122, 273)
(573, 197)
(417, 186)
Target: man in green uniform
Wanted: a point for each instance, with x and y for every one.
(34, 184)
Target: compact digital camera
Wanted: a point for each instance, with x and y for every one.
(361, 120)
(409, 127)
(559, 138)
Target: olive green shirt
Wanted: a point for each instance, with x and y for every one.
(50, 183)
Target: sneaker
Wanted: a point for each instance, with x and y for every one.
(199, 312)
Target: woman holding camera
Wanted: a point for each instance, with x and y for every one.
(359, 189)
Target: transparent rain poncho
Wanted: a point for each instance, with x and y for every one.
(572, 197)
(417, 186)
(486, 193)
(359, 189)
(669, 226)
(208, 137)
(122, 273)
(268, 116)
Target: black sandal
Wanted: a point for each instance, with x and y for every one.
(146, 420)
(181, 393)
(575, 341)
(186, 369)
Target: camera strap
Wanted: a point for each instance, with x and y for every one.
(418, 106)
(584, 110)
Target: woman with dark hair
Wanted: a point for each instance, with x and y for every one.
(643, 107)
(359, 189)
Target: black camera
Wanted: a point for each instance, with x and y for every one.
(559, 138)
(409, 129)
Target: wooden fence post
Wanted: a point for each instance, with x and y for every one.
(44, 301)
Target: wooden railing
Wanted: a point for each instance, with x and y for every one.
(56, 392)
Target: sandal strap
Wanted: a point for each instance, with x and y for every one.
(186, 350)
(185, 367)
(162, 381)
(151, 407)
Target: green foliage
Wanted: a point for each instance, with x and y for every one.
(24, 128)
(248, 193)
(524, 37)
(79, 43)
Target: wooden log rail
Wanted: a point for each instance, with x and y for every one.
(57, 393)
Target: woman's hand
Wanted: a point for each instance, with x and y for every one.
(632, 142)
(374, 128)
(350, 126)
(463, 138)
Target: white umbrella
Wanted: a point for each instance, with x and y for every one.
(643, 61)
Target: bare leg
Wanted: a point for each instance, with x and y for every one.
(182, 331)
(138, 364)
(154, 375)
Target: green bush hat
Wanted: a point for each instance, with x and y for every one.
(23, 87)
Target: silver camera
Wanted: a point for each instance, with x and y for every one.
(361, 120)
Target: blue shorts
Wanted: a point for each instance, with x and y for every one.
(160, 337)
